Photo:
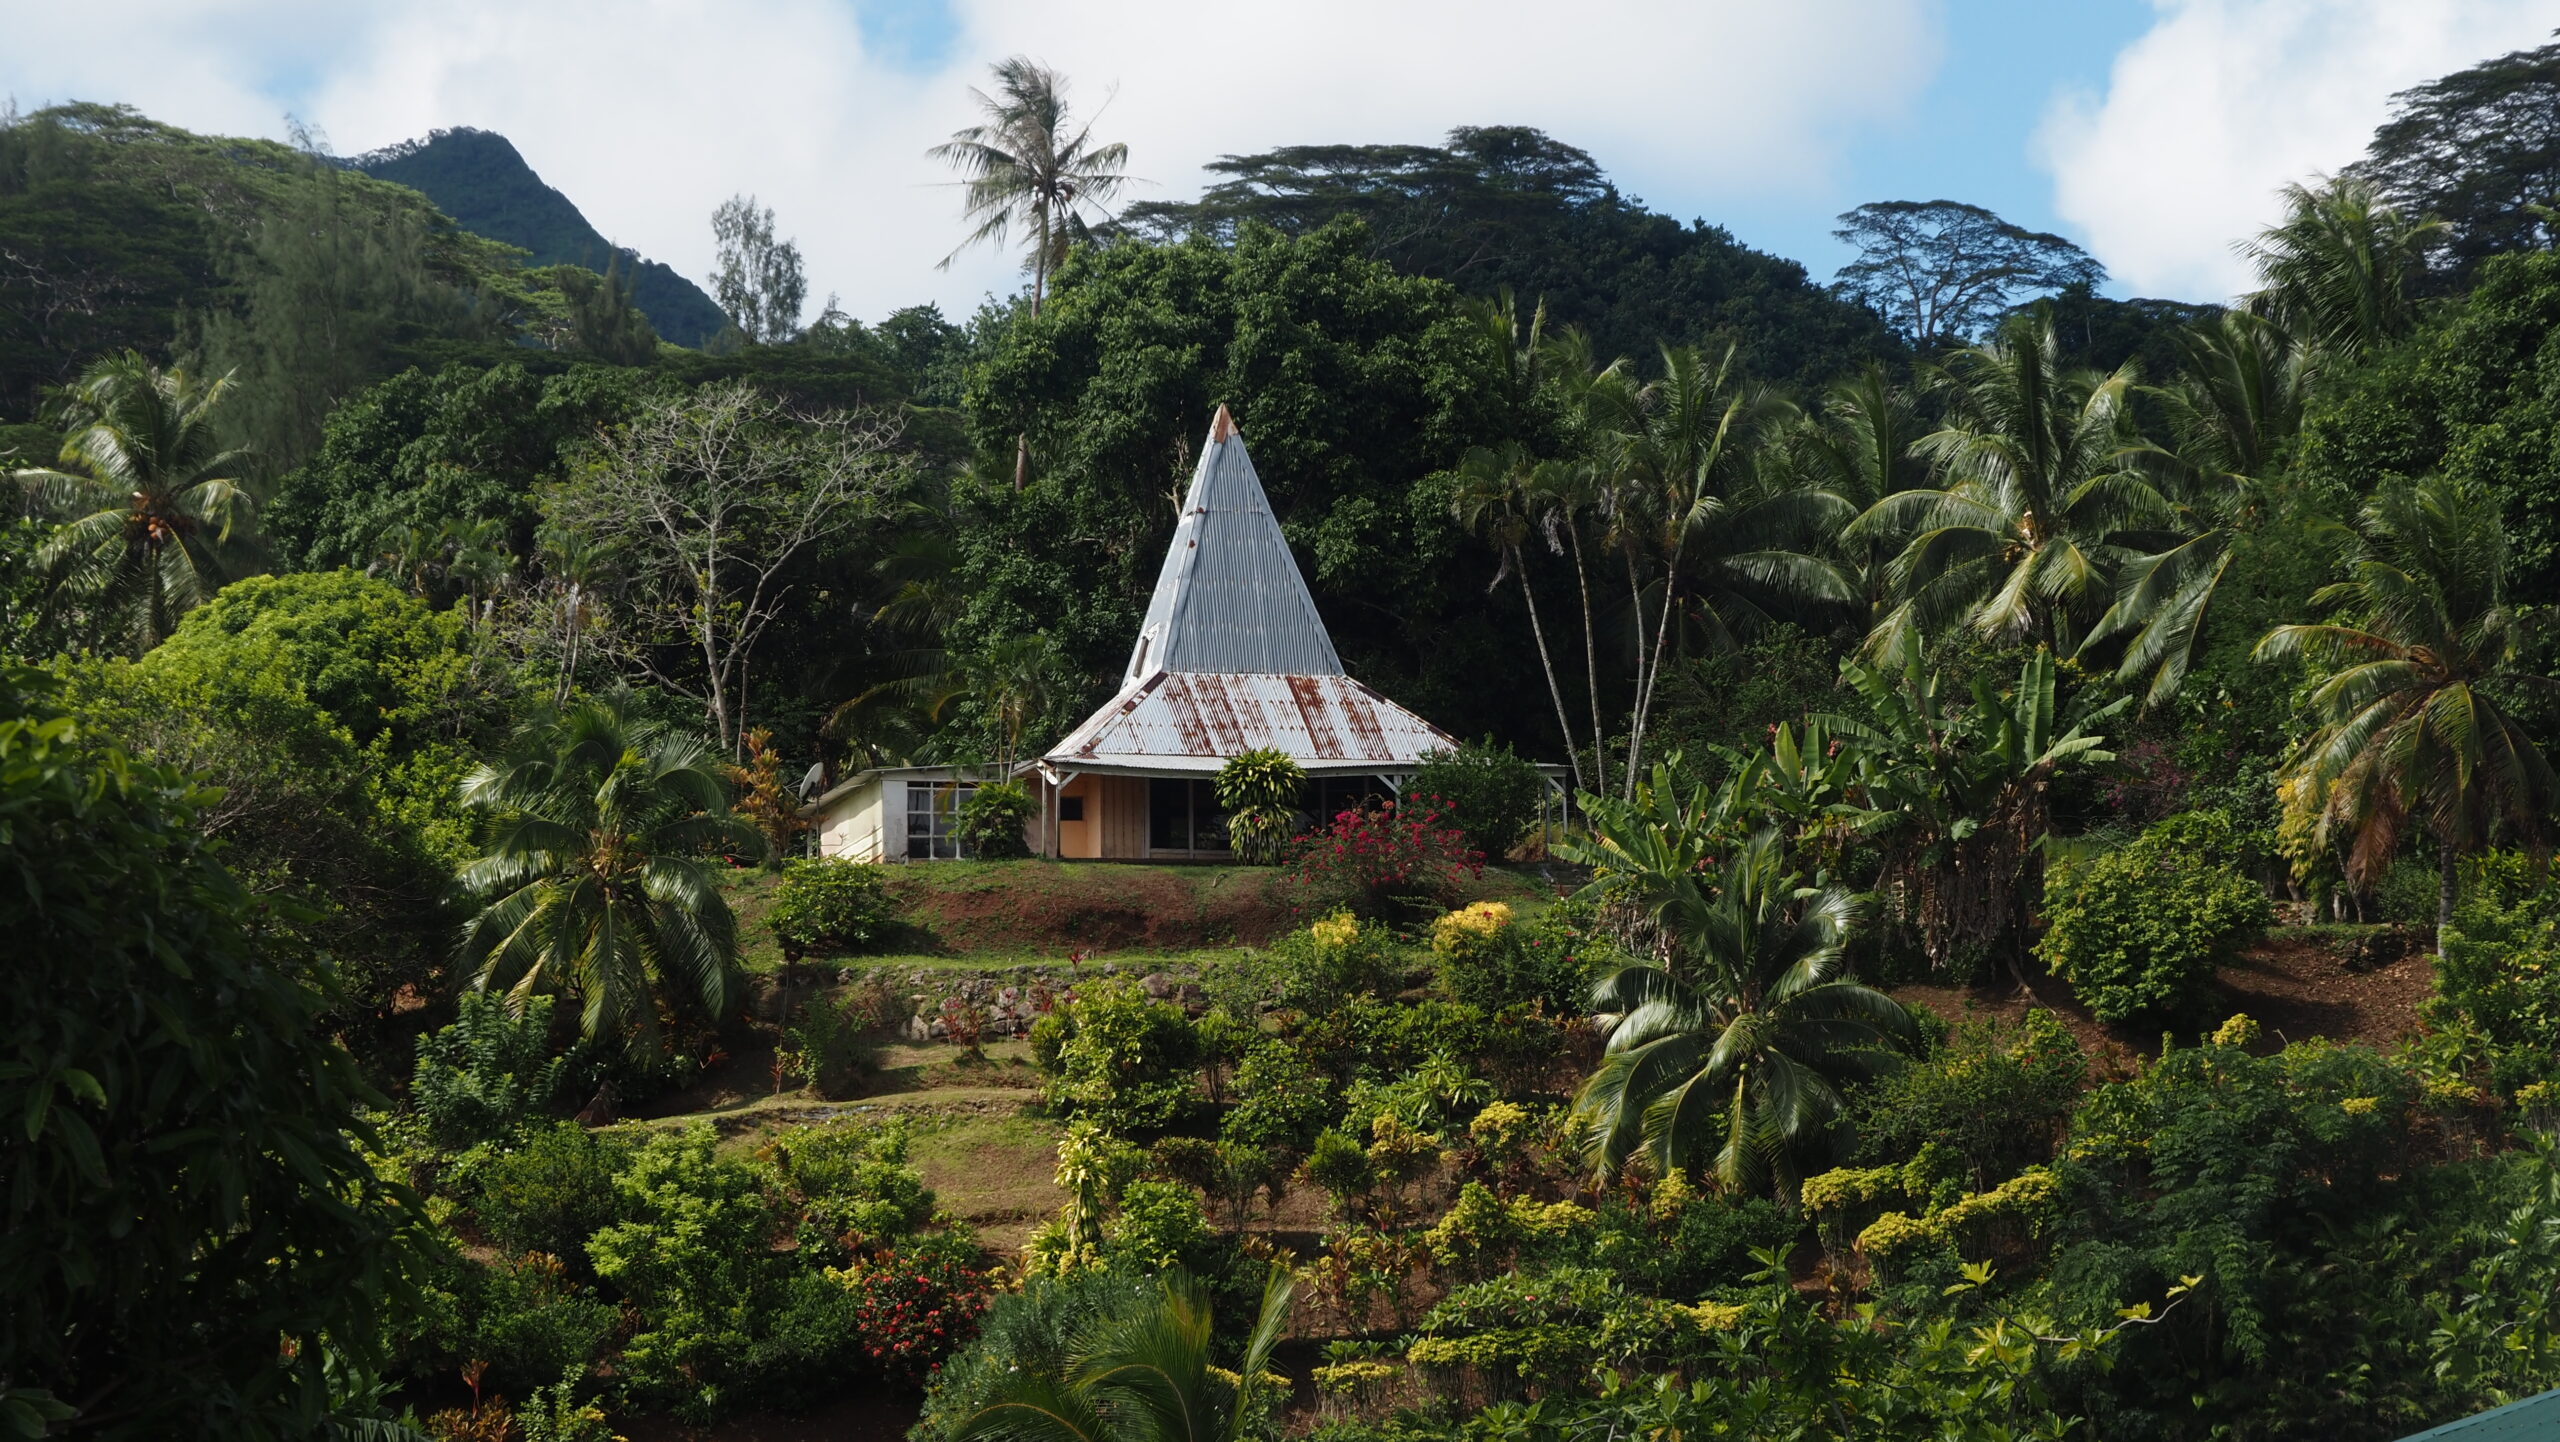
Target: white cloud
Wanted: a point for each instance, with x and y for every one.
(649, 114)
(2224, 101)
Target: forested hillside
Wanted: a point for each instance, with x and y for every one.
(1993, 881)
(479, 179)
(125, 233)
(1505, 207)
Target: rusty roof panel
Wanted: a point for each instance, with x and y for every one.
(1196, 721)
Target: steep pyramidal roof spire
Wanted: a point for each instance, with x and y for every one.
(1230, 598)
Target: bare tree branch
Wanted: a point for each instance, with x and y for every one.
(702, 505)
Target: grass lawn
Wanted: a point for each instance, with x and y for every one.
(1180, 962)
(988, 915)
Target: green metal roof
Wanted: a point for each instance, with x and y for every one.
(2535, 1419)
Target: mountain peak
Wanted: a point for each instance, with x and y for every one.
(480, 179)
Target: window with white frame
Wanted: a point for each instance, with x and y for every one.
(933, 819)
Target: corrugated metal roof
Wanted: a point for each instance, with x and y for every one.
(1188, 721)
(1229, 599)
(2536, 1417)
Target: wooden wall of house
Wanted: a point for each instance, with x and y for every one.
(1123, 804)
(1079, 840)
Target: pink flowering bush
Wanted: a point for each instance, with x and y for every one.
(1378, 859)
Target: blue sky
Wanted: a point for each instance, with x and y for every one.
(2153, 132)
(1971, 133)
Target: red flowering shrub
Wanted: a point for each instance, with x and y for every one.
(920, 1303)
(1371, 859)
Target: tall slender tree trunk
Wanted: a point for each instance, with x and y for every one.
(2448, 888)
(1590, 668)
(569, 648)
(1039, 285)
(1555, 692)
(1652, 673)
(1635, 612)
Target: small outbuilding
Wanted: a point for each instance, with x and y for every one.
(895, 813)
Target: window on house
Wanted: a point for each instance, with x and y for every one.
(1184, 816)
(1071, 808)
(1329, 796)
(933, 819)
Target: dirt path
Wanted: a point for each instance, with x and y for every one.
(2293, 984)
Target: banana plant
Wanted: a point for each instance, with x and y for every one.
(1960, 794)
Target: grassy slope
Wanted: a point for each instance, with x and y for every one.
(995, 914)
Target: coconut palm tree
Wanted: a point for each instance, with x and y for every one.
(1723, 546)
(2042, 496)
(1728, 1059)
(1499, 495)
(146, 493)
(2235, 406)
(2338, 271)
(1144, 1375)
(1028, 166)
(1857, 447)
(1589, 491)
(2413, 731)
(595, 882)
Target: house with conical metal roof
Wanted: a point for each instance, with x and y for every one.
(1232, 657)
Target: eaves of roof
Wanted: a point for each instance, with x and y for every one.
(1182, 722)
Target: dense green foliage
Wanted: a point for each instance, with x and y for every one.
(191, 1227)
(425, 450)
(338, 717)
(2103, 629)
(1492, 794)
(2138, 930)
(488, 1073)
(1511, 208)
(2470, 398)
(832, 905)
(995, 821)
(659, 1256)
(2498, 973)
(1117, 1059)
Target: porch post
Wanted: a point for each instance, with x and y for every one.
(1051, 828)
